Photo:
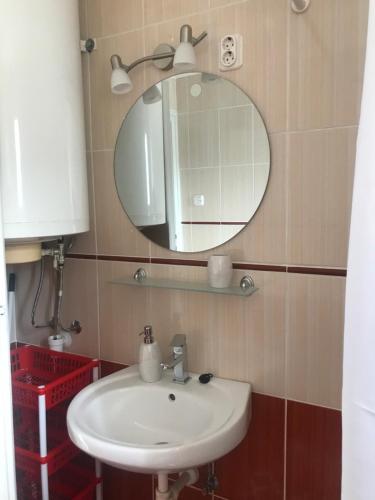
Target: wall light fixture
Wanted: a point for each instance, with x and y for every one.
(164, 57)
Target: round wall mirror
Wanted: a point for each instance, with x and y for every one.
(192, 162)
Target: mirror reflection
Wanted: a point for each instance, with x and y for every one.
(192, 162)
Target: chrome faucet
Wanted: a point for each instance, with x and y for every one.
(178, 359)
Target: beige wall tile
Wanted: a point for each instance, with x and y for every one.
(237, 188)
(208, 236)
(109, 110)
(201, 181)
(108, 17)
(223, 3)
(123, 312)
(234, 337)
(163, 10)
(326, 51)
(261, 146)
(204, 139)
(264, 238)
(263, 74)
(153, 11)
(80, 302)
(183, 141)
(116, 235)
(315, 338)
(86, 242)
(214, 92)
(320, 180)
(236, 137)
(242, 189)
(87, 99)
(156, 251)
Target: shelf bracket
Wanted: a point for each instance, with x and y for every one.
(140, 275)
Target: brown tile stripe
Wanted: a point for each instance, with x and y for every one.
(214, 223)
(119, 258)
(317, 270)
(179, 262)
(115, 258)
(260, 267)
(321, 271)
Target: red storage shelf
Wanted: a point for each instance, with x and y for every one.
(26, 427)
(29, 462)
(57, 375)
(43, 383)
(72, 482)
(26, 440)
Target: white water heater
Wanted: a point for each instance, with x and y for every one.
(42, 139)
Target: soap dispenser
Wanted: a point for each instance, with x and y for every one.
(150, 367)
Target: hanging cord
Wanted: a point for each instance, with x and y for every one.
(37, 297)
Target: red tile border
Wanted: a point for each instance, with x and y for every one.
(321, 271)
(313, 464)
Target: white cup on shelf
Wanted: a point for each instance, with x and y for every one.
(220, 271)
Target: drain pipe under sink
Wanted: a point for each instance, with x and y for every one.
(164, 491)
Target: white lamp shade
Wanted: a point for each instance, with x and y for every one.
(120, 82)
(184, 58)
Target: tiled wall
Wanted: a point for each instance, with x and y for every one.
(304, 73)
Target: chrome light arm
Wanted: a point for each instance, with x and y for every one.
(199, 38)
(160, 52)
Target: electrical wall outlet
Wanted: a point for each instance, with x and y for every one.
(230, 52)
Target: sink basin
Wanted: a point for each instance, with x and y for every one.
(161, 427)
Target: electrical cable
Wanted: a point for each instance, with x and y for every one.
(37, 297)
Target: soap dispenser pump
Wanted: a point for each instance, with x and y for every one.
(150, 367)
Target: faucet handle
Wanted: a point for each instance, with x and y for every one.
(178, 340)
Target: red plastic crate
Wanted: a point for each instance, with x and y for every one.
(26, 440)
(26, 427)
(57, 375)
(73, 482)
(56, 459)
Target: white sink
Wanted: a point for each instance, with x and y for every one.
(161, 427)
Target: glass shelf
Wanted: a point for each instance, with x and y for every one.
(185, 285)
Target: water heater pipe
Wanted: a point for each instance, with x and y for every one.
(58, 254)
